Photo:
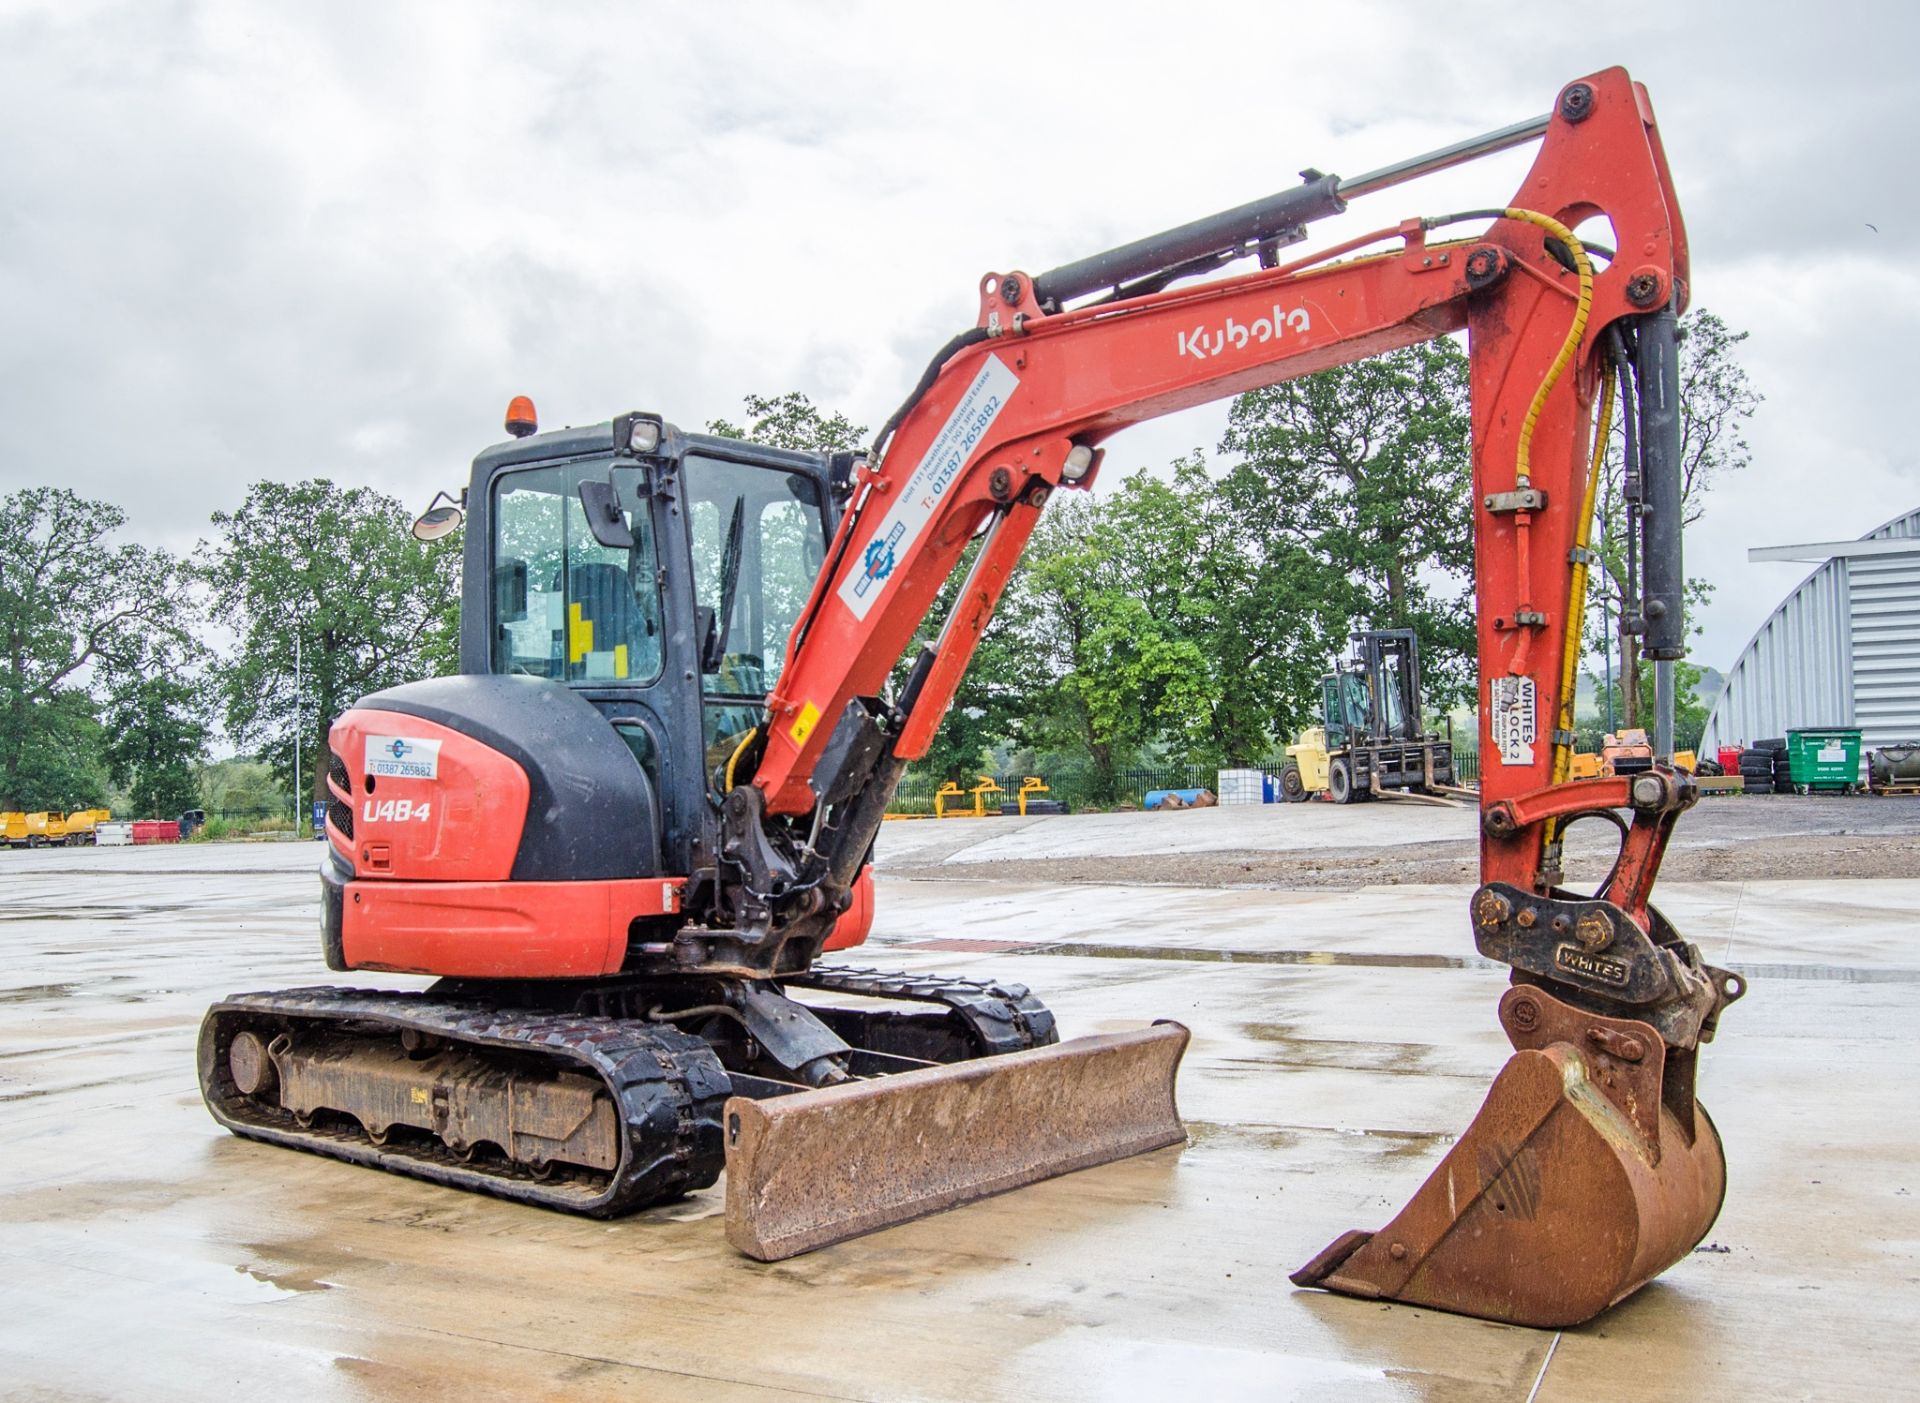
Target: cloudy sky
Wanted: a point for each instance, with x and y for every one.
(250, 240)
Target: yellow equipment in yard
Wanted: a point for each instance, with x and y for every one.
(83, 825)
(950, 790)
(1307, 774)
(13, 830)
(1371, 732)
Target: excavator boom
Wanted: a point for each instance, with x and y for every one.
(1590, 1160)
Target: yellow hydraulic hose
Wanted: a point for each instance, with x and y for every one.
(1584, 266)
(1577, 591)
(738, 750)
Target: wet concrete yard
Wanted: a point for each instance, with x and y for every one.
(1341, 1038)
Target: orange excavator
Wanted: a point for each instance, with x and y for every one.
(624, 836)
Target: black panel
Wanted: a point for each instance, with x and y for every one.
(590, 807)
(334, 876)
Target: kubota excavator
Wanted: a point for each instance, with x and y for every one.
(624, 835)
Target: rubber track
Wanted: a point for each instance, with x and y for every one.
(1003, 1017)
(667, 1086)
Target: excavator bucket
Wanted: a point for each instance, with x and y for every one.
(1584, 1176)
(817, 1167)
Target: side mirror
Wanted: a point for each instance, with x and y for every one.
(437, 521)
(510, 591)
(604, 517)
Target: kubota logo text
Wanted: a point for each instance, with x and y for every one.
(1204, 344)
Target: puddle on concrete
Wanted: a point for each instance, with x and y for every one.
(30, 993)
(1392, 1058)
(1843, 974)
(1393, 1144)
(285, 1281)
(1838, 974)
(1263, 957)
(1103, 1368)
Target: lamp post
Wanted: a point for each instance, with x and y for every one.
(298, 798)
(1606, 651)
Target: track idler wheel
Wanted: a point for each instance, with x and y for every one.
(1576, 1184)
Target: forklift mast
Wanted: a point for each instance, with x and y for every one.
(1373, 697)
(1391, 660)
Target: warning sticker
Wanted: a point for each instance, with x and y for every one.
(804, 723)
(1515, 719)
(916, 498)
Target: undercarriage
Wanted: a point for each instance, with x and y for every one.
(601, 1097)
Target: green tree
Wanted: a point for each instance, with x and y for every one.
(58, 768)
(1095, 671)
(1716, 403)
(156, 739)
(1369, 466)
(1261, 615)
(991, 703)
(792, 421)
(242, 789)
(73, 606)
(336, 571)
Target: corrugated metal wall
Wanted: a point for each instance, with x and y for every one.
(1842, 650)
(1886, 640)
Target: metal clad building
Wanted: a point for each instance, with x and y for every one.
(1842, 650)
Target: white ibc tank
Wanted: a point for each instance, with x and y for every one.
(1239, 787)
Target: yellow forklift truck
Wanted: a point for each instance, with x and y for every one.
(1370, 740)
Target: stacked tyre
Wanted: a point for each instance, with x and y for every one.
(1782, 768)
(1763, 767)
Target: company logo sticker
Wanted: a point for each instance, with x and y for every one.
(402, 757)
(919, 496)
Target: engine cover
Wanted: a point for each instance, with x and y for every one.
(480, 778)
(487, 827)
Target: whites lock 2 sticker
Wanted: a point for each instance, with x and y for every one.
(402, 757)
(1515, 721)
(918, 497)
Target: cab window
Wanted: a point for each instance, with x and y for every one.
(564, 606)
(758, 539)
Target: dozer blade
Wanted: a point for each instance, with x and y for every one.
(1574, 1186)
(817, 1167)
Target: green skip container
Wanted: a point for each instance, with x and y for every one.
(1824, 757)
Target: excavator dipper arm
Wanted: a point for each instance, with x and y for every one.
(1590, 1169)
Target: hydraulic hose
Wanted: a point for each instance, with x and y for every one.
(1575, 331)
(1577, 590)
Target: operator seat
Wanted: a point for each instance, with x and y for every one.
(601, 639)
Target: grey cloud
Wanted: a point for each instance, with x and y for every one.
(241, 242)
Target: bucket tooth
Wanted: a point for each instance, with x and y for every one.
(1575, 1185)
(817, 1167)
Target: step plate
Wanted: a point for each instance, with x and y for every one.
(818, 1167)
